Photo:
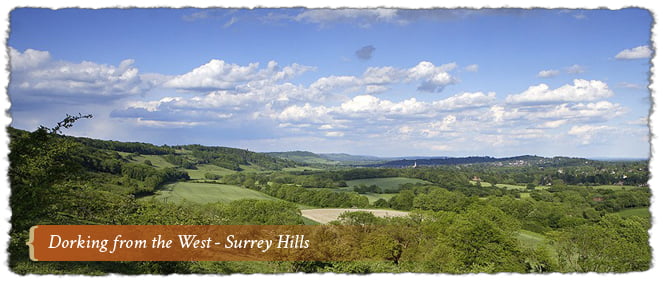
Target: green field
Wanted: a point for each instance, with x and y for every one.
(157, 160)
(529, 239)
(614, 187)
(202, 193)
(301, 168)
(642, 212)
(207, 168)
(525, 195)
(507, 186)
(387, 183)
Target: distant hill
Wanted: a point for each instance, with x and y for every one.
(184, 156)
(329, 159)
(459, 161)
(303, 157)
(352, 158)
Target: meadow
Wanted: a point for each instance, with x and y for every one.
(203, 193)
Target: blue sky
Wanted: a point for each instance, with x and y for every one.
(384, 82)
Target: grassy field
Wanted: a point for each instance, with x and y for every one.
(530, 239)
(157, 161)
(301, 168)
(507, 186)
(642, 212)
(202, 193)
(387, 184)
(614, 187)
(525, 195)
(207, 168)
(327, 215)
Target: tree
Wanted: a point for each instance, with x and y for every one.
(614, 244)
(37, 161)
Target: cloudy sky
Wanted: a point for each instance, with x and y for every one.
(383, 82)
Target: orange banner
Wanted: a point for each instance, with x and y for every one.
(194, 242)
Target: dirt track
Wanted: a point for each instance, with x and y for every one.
(327, 215)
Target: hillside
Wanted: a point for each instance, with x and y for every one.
(304, 157)
(191, 156)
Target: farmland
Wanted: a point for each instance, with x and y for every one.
(203, 193)
(327, 215)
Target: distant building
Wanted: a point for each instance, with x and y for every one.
(415, 164)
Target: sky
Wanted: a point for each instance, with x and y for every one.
(381, 82)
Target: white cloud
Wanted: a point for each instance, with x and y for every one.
(365, 17)
(167, 124)
(575, 69)
(334, 134)
(465, 100)
(548, 73)
(431, 78)
(630, 85)
(472, 68)
(586, 133)
(640, 121)
(581, 90)
(376, 89)
(437, 127)
(230, 22)
(580, 16)
(640, 52)
(35, 73)
(434, 78)
(219, 75)
(305, 113)
(441, 148)
(553, 123)
(29, 59)
(332, 83)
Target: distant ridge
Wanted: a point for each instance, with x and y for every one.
(508, 161)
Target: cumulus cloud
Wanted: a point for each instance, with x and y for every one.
(580, 112)
(35, 73)
(575, 69)
(29, 59)
(586, 133)
(305, 113)
(218, 75)
(431, 78)
(466, 100)
(581, 90)
(552, 123)
(371, 109)
(640, 52)
(435, 78)
(548, 73)
(365, 53)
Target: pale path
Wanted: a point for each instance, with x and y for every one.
(327, 215)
